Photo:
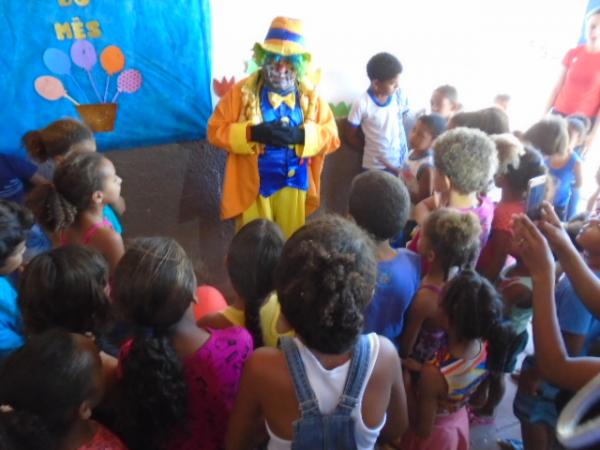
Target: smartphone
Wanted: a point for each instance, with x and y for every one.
(536, 192)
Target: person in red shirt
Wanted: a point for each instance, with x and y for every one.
(578, 88)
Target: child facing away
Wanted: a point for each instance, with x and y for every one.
(491, 120)
(15, 223)
(251, 260)
(465, 162)
(380, 205)
(418, 169)
(518, 165)
(71, 208)
(378, 113)
(48, 390)
(476, 347)
(551, 137)
(444, 101)
(177, 381)
(324, 280)
(51, 145)
(449, 241)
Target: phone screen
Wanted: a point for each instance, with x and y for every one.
(536, 193)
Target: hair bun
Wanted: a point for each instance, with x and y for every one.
(34, 144)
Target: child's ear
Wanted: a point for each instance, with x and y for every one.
(98, 197)
(85, 410)
(430, 256)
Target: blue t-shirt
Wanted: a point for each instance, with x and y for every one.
(14, 173)
(573, 316)
(398, 280)
(563, 180)
(11, 334)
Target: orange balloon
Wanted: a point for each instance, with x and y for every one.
(112, 59)
(209, 300)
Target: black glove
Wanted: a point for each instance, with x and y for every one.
(276, 134)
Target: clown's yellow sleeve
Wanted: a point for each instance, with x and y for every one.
(320, 136)
(224, 130)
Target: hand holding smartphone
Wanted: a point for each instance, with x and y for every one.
(536, 193)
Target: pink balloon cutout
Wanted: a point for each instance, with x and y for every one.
(51, 88)
(129, 81)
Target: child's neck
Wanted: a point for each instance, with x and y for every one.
(186, 337)
(463, 348)
(384, 251)
(509, 196)
(381, 98)
(82, 432)
(592, 259)
(435, 275)
(458, 200)
(92, 215)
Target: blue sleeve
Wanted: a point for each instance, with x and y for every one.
(402, 102)
(573, 316)
(21, 168)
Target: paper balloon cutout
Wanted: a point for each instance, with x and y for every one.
(112, 59)
(129, 81)
(57, 61)
(51, 88)
(209, 300)
(83, 54)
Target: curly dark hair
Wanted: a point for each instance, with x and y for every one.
(154, 285)
(15, 223)
(324, 280)
(475, 311)
(66, 288)
(454, 237)
(56, 206)
(56, 139)
(251, 260)
(383, 66)
(531, 165)
(379, 203)
(550, 135)
(48, 379)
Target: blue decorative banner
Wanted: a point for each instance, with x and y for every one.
(137, 71)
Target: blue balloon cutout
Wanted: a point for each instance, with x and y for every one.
(57, 61)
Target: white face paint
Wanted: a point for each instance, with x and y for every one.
(279, 75)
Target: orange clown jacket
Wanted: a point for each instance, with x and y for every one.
(227, 127)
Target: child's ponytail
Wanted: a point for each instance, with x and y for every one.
(57, 139)
(153, 392)
(33, 142)
(251, 260)
(53, 211)
(475, 310)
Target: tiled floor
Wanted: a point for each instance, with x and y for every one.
(506, 425)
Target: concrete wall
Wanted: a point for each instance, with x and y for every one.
(175, 190)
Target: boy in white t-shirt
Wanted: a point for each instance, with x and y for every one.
(379, 113)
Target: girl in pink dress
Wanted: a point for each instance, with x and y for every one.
(177, 381)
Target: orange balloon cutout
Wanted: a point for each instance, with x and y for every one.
(51, 88)
(112, 59)
(209, 300)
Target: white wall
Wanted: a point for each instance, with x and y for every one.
(482, 47)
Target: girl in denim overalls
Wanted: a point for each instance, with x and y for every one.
(330, 387)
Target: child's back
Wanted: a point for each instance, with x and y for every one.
(379, 203)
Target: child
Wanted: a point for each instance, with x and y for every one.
(51, 386)
(551, 137)
(15, 222)
(502, 101)
(449, 241)
(489, 120)
(378, 113)
(72, 207)
(465, 161)
(15, 176)
(251, 260)
(579, 126)
(444, 101)
(513, 178)
(51, 145)
(476, 347)
(178, 381)
(324, 280)
(379, 204)
(418, 168)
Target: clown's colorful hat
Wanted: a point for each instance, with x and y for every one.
(285, 37)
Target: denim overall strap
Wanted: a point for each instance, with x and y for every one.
(359, 364)
(309, 405)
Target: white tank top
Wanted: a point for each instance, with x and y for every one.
(328, 386)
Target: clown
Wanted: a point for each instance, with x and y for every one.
(277, 131)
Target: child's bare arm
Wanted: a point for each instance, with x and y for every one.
(354, 136)
(110, 244)
(425, 179)
(422, 307)
(499, 244)
(397, 413)
(430, 388)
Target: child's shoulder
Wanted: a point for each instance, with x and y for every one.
(233, 337)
